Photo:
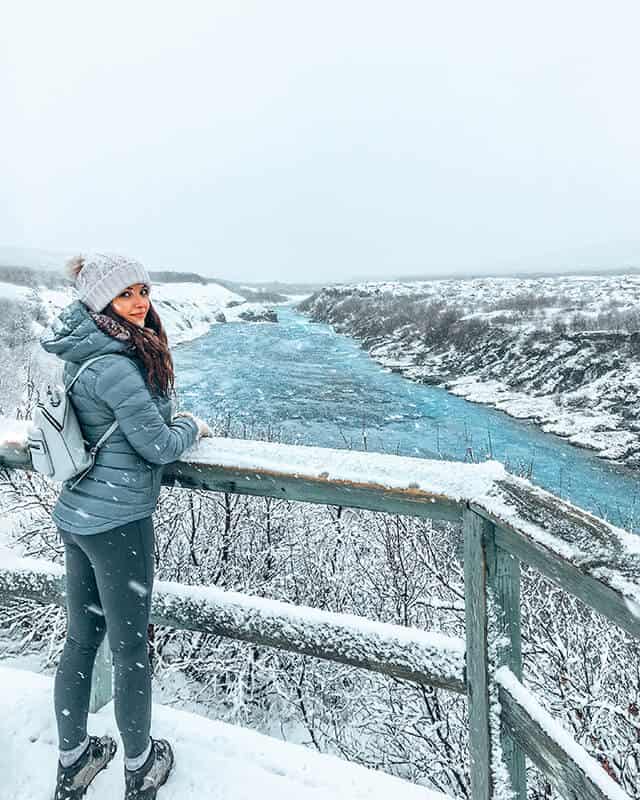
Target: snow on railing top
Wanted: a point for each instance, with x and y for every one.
(450, 480)
(14, 432)
(501, 500)
(541, 725)
(453, 480)
(595, 560)
(26, 566)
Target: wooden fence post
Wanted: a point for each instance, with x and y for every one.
(101, 682)
(492, 615)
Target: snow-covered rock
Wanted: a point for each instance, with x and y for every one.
(258, 314)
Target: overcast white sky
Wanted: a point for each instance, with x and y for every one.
(322, 140)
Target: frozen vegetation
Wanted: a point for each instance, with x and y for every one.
(562, 352)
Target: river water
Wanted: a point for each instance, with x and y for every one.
(301, 383)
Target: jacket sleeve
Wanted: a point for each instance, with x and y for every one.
(121, 386)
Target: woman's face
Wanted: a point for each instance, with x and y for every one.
(133, 303)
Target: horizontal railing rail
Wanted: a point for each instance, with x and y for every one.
(505, 521)
(551, 748)
(425, 658)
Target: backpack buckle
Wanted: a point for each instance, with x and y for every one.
(54, 396)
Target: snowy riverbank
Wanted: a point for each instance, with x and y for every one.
(560, 352)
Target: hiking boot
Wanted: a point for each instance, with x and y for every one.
(143, 783)
(72, 782)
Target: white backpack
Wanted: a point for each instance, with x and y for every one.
(58, 449)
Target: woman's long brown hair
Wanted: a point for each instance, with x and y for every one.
(150, 345)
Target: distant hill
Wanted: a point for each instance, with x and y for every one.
(168, 276)
(33, 276)
(268, 291)
(524, 274)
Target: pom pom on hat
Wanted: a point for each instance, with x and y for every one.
(73, 266)
(100, 277)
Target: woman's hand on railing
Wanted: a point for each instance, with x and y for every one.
(204, 431)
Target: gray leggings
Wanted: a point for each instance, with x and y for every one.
(109, 582)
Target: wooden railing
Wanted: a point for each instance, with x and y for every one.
(505, 521)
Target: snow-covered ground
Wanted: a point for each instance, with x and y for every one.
(188, 310)
(596, 289)
(529, 360)
(212, 759)
(13, 292)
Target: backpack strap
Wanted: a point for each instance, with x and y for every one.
(113, 425)
(93, 451)
(104, 437)
(83, 366)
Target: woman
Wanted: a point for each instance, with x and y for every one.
(105, 520)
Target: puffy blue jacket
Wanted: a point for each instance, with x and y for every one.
(124, 483)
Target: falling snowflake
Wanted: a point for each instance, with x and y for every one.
(138, 588)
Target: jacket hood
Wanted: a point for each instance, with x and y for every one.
(78, 334)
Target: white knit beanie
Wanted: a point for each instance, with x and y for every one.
(100, 277)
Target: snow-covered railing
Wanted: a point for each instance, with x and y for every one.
(505, 520)
(407, 653)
